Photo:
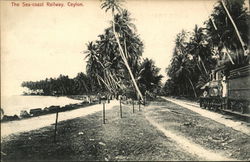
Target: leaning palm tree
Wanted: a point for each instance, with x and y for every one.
(98, 65)
(115, 6)
(222, 31)
(107, 49)
(93, 65)
(183, 69)
(200, 51)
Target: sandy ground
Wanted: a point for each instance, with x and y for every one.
(189, 146)
(198, 135)
(237, 125)
(25, 125)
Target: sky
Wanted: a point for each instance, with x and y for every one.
(40, 42)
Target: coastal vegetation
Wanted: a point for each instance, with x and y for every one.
(114, 63)
(197, 53)
(63, 85)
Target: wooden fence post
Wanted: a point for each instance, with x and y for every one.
(121, 108)
(103, 113)
(139, 105)
(108, 99)
(56, 127)
(133, 106)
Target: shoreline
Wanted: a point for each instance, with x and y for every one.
(34, 111)
(18, 126)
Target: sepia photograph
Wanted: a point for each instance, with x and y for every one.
(125, 80)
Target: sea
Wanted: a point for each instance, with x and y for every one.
(12, 105)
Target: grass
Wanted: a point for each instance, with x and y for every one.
(86, 138)
(201, 130)
(129, 138)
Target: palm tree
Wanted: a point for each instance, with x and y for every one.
(107, 49)
(98, 64)
(81, 84)
(114, 5)
(198, 48)
(182, 68)
(149, 77)
(225, 35)
(93, 64)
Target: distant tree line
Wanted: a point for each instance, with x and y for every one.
(197, 53)
(63, 85)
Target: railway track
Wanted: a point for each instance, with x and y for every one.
(233, 121)
(237, 115)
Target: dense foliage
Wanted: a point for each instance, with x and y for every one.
(114, 63)
(115, 59)
(197, 53)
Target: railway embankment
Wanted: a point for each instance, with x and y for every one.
(229, 121)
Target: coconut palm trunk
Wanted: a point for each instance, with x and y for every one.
(203, 65)
(85, 85)
(106, 84)
(112, 77)
(108, 81)
(192, 86)
(234, 25)
(124, 58)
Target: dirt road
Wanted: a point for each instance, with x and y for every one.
(199, 134)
